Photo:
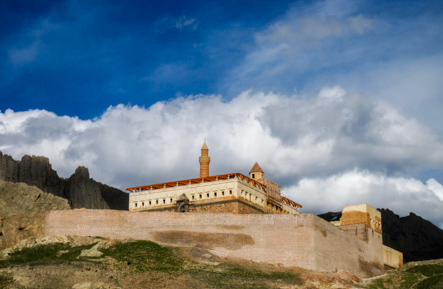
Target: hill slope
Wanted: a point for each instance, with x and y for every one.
(22, 211)
(85, 262)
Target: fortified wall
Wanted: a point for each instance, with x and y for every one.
(292, 240)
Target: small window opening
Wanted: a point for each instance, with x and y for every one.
(200, 196)
(143, 204)
(164, 201)
(156, 202)
(215, 194)
(193, 197)
(230, 192)
(207, 195)
(253, 176)
(170, 200)
(223, 193)
(150, 203)
(136, 205)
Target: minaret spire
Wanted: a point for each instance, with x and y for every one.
(204, 161)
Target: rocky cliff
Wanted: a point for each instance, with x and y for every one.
(80, 190)
(22, 211)
(416, 237)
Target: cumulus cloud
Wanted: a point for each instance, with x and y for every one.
(326, 151)
(403, 195)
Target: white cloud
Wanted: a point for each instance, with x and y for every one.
(326, 151)
(184, 22)
(402, 195)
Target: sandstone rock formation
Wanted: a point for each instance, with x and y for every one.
(80, 190)
(22, 211)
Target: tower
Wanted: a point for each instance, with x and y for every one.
(257, 173)
(204, 161)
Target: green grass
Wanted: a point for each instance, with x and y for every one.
(417, 277)
(434, 282)
(5, 280)
(146, 256)
(234, 276)
(427, 270)
(156, 262)
(44, 255)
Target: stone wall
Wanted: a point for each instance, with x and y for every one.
(303, 240)
(228, 205)
(393, 259)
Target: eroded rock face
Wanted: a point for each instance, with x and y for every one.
(84, 192)
(22, 211)
(80, 190)
(416, 237)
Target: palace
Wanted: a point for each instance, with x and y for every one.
(228, 193)
(242, 217)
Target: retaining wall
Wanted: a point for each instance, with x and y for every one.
(302, 240)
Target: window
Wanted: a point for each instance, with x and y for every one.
(215, 194)
(253, 176)
(170, 200)
(164, 201)
(230, 192)
(207, 195)
(136, 205)
(193, 197)
(200, 196)
(156, 202)
(150, 203)
(223, 193)
(143, 204)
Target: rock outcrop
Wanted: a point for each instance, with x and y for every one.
(22, 212)
(80, 190)
(416, 237)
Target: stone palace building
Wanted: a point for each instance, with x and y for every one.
(228, 193)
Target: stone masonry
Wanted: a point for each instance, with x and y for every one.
(292, 240)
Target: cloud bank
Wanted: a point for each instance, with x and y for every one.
(332, 149)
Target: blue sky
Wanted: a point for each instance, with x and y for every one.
(339, 101)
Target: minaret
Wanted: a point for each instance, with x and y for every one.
(204, 161)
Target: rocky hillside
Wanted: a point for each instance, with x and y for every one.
(80, 190)
(22, 211)
(416, 237)
(86, 262)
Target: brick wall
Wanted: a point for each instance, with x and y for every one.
(303, 240)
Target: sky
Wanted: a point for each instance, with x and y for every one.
(339, 101)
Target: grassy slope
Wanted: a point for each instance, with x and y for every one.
(144, 264)
(414, 275)
(139, 264)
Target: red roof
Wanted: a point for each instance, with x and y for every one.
(197, 181)
(256, 169)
